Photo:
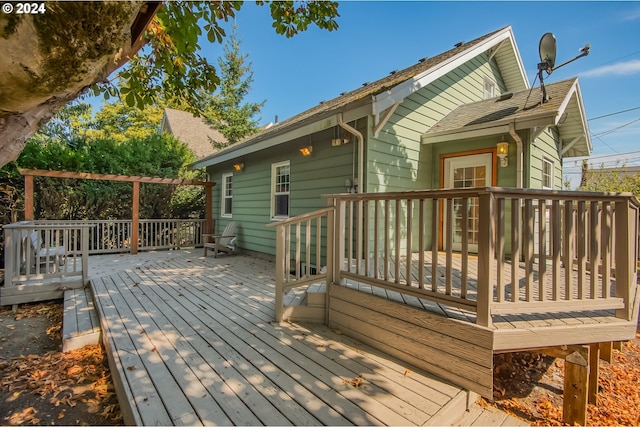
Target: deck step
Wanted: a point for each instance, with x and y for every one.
(80, 323)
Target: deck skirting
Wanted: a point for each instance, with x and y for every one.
(451, 349)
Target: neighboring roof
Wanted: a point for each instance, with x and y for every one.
(522, 110)
(389, 90)
(192, 131)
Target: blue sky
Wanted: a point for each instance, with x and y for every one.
(376, 37)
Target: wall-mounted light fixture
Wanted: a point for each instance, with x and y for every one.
(306, 151)
(238, 167)
(502, 152)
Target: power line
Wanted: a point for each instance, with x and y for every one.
(613, 114)
(617, 128)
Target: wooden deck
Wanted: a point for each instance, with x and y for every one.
(191, 341)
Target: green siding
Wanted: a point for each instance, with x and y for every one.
(324, 172)
(545, 147)
(396, 159)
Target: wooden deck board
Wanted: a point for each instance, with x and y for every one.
(194, 343)
(80, 324)
(203, 329)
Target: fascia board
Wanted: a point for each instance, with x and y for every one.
(231, 154)
(398, 93)
(565, 102)
(465, 134)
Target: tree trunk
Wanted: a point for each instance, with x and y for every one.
(51, 58)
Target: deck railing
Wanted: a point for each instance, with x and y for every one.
(490, 251)
(114, 236)
(36, 252)
(50, 254)
(304, 252)
(584, 244)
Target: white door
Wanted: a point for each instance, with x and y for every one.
(466, 172)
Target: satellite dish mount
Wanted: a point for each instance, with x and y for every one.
(547, 48)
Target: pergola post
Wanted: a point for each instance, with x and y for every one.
(135, 217)
(208, 209)
(28, 198)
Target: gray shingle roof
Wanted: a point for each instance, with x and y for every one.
(343, 101)
(522, 105)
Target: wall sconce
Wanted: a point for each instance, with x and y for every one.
(306, 151)
(503, 152)
(238, 167)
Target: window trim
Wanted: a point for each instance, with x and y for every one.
(224, 197)
(551, 174)
(274, 168)
(494, 86)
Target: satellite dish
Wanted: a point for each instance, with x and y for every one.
(547, 49)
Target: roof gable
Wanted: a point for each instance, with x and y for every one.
(522, 110)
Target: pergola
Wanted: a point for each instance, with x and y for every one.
(135, 180)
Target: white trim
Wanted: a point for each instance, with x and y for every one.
(552, 167)
(274, 168)
(401, 91)
(224, 197)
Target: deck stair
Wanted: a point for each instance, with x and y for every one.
(80, 323)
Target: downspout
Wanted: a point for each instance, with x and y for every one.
(519, 160)
(360, 138)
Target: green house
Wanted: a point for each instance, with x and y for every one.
(464, 118)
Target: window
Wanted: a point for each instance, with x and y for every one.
(547, 174)
(489, 90)
(280, 183)
(227, 194)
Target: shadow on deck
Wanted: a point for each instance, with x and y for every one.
(192, 340)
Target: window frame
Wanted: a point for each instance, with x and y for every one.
(550, 175)
(274, 182)
(489, 83)
(224, 196)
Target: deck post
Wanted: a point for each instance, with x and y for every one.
(330, 278)
(486, 250)
(624, 252)
(11, 255)
(280, 271)
(84, 230)
(339, 235)
(576, 380)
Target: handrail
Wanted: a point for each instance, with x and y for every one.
(298, 244)
(299, 218)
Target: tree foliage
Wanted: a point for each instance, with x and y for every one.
(172, 67)
(615, 180)
(226, 111)
(55, 57)
(118, 140)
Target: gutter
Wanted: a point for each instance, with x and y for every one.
(519, 160)
(360, 138)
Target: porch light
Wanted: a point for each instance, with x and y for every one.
(238, 167)
(306, 151)
(502, 152)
